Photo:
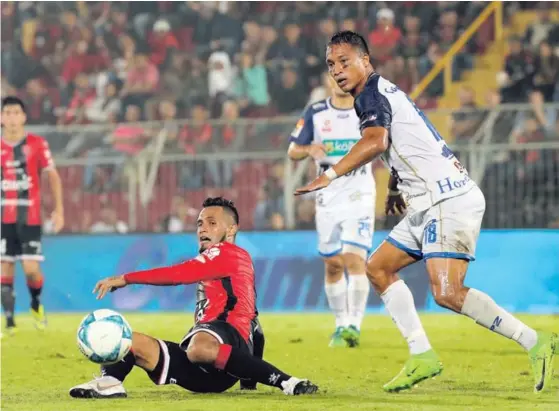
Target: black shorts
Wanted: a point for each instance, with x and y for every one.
(174, 367)
(21, 242)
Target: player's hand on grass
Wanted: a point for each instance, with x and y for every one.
(317, 184)
(317, 151)
(57, 218)
(109, 284)
(395, 204)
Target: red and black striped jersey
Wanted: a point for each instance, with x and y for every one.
(22, 164)
(226, 276)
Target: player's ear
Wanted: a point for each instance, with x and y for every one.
(232, 231)
(366, 59)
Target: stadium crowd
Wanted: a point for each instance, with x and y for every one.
(116, 65)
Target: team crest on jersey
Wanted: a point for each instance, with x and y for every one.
(327, 127)
(211, 253)
(298, 128)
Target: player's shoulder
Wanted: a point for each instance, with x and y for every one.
(36, 139)
(316, 108)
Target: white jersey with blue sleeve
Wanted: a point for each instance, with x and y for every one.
(338, 130)
(445, 207)
(345, 209)
(426, 169)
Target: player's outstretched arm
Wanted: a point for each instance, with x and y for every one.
(374, 142)
(299, 151)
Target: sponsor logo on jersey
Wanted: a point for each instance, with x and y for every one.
(18, 185)
(298, 128)
(391, 90)
(372, 117)
(446, 185)
(338, 147)
(343, 115)
(327, 127)
(318, 106)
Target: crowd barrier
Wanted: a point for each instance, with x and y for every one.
(518, 268)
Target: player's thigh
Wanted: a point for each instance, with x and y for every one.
(174, 367)
(333, 268)
(31, 244)
(452, 227)
(328, 229)
(385, 263)
(146, 351)
(10, 247)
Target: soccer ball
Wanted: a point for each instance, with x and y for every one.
(104, 337)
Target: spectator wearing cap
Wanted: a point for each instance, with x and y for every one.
(385, 37)
(162, 43)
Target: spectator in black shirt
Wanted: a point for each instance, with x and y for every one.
(289, 96)
(517, 77)
(546, 71)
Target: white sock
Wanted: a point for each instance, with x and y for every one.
(337, 300)
(357, 295)
(484, 311)
(399, 303)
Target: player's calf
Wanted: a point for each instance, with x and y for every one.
(204, 348)
(7, 293)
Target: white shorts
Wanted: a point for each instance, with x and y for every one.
(449, 229)
(346, 227)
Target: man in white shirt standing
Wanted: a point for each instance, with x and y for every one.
(344, 211)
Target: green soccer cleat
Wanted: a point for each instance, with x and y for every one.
(351, 335)
(419, 367)
(337, 339)
(40, 318)
(541, 359)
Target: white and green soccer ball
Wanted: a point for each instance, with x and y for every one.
(104, 337)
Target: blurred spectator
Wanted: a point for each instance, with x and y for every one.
(109, 223)
(220, 80)
(251, 86)
(320, 92)
(40, 102)
(305, 215)
(142, 81)
(83, 96)
(546, 71)
(180, 218)
(106, 107)
(426, 63)
(515, 80)
(289, 50)
(162, 43)
(385, 37)
(467, 120)
(277, 222)
(290, 95)
(84, 59)
(198, 133)
(539, 30)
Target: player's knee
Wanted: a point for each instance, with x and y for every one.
(32, 270)
(380, 277)
(334, 267)
(145, 350)
(7, 269)
(355, 263)
(202, 350)
(448, 298)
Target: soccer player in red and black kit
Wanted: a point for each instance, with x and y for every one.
(216, 352)
(23, 157)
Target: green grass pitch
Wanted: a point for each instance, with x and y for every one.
(482, 371)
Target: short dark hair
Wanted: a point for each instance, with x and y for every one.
(228, 205)
(13, 101)
(352, 38)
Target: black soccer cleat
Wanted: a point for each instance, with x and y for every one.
(305, 387)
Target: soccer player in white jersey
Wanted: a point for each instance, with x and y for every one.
(444, 214)
(344, 211)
